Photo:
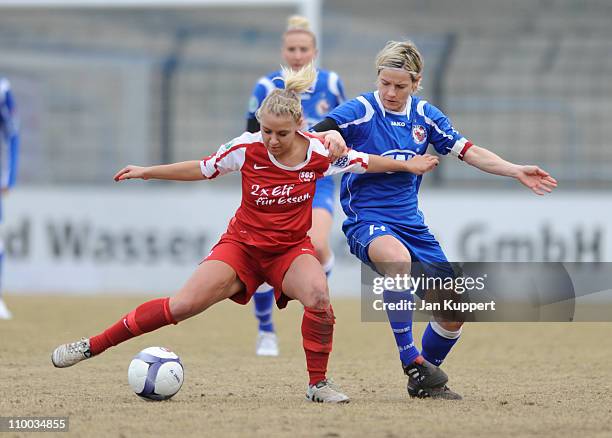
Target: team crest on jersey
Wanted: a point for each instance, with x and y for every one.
(307, 176)
(322, 107)
(419, 134)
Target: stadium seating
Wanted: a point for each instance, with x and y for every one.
(528, 79)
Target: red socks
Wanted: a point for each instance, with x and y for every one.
(145, 318)
(317, 334)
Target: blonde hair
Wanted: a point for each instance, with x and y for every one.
(401, 55)
(298, 23)
(287, 101)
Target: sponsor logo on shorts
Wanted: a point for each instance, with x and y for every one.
(374, 228)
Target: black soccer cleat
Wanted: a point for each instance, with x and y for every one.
(425, 380)
(443, 393)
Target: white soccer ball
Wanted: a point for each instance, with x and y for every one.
(155, 373)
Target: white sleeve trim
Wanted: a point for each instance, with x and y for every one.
(353, 162)
(230, 157)
(366, 118)
(268, 84)
(458, 147)
(332, 84)
(223, 162)
(4, 85)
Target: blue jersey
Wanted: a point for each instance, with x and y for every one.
(327, 94)
(9, 137)
(368, 127)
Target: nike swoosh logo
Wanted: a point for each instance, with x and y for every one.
(256, 167)
(305, 249)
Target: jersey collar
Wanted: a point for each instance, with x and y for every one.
(299, 166)
(385, 111)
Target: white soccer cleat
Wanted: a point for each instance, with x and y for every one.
(67, 355)
(267, 344)
(5, 313)
(326, 392)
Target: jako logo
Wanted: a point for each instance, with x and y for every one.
(398, 123)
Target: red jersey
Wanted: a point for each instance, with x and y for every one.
(276, 208)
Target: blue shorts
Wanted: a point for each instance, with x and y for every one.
(324, 194)
(422, 245)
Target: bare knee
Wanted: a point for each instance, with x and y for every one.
(390, 256)
(317, 297)
(182, 307)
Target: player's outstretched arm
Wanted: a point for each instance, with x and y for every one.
(333, 142)
(532, 177)
(418, 164)
(183, 171)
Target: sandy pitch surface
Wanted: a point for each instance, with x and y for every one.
(517, 379)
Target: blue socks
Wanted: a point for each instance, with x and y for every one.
(401, 324)
(437, 342)
(264, 303)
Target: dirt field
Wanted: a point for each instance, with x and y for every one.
(517, 379)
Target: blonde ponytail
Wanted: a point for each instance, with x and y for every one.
(287, 101)
(298, 22)
(301, 80)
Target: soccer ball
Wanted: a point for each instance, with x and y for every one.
(155, 373)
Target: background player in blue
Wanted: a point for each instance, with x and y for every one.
(384, 227)
(9, 147)
(298, 50)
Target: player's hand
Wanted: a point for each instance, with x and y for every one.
(420, 164)
(536, 179)
(335, 145)
(131, 172)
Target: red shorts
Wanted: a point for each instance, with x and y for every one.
(255, 266)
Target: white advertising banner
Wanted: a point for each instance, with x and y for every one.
(147, 238)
